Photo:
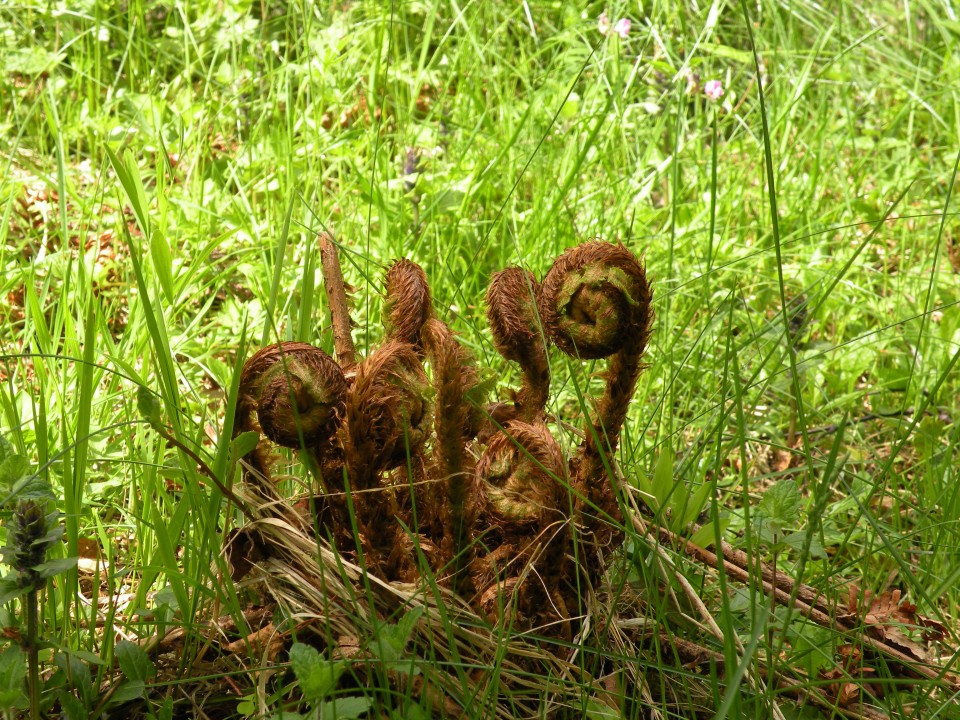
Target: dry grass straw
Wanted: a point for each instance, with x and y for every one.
(310, 580)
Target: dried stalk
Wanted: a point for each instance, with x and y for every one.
(337, 300)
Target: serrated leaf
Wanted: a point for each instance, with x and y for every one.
(148, 405)
(162, 263)
(779, 507)
(392, 638)
(30, 487)
(344, 708)
(6, 449)
(406, 624)
(55, 567)
(318, 676)
(12, 466)
(134, 661)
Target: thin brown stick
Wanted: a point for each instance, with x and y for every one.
(737, 565)
(337, 300)
(694, 654)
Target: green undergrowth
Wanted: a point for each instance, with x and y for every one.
(167, 167)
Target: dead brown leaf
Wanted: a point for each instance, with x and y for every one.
(265, 640)
(892, 619)
(849, 677)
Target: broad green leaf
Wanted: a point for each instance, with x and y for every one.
(32, 60)
(344, 708)
(645, 486)
(725, 51)
(318, 676)
(78, 674)
(244, 444)
(82, 656)
(408, 622)
(412, 711)
(663, 477)
(6, 450)
(779, 507)
(71, 708)
(596, 710)
(55, 567)
(55, 530)
(248, 706)
(128, 690)
(10, 589)
(13, 670)
(148, 405)
(688, 506)
(392, 638)
(13, 467)
(165, 711)
(134, 661)
(30, 487)
(704, 537)
(163, 263)
(797, 541)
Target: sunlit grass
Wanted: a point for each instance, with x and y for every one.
(816, 340)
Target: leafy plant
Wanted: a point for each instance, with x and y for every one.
(317, 678)
(33, 528)
(670, 498)
(777, 517)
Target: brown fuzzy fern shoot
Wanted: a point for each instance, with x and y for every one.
(457, 422)
(407, 304)
(515, 322)
(414, 482)
(387, 422)
(596, 303)
(297, 393)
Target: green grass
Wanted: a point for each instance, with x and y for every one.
(799, 243)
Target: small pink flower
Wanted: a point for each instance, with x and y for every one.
(603, 24)
(713, 89)
(622, 28)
